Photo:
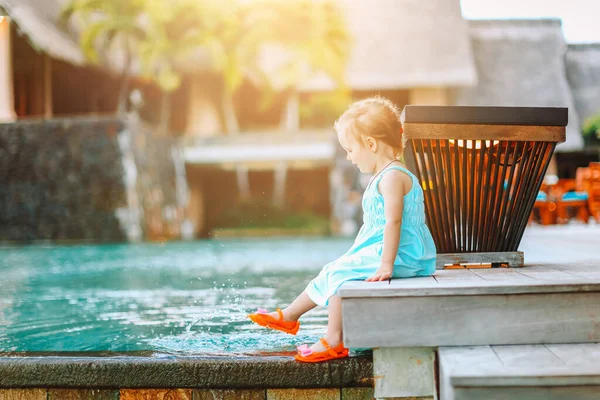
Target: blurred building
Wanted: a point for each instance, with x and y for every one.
(70, 169)
(413, 52)
(44, 70)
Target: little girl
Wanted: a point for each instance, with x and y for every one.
(393, 242)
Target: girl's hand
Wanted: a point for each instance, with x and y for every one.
(382, 274)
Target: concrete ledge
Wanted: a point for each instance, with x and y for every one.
(498, 306)
(166, 371)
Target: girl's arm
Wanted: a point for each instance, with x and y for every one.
(392, 187)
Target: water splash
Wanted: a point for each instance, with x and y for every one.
(181, 297)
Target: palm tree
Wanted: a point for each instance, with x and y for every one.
(176, 28)
(162, 33)
(313, 35)
(108, 24)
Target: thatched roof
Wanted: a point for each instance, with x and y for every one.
(397, 43)
(405, 44)
(37, 19)
(583, 73)
(521, 63)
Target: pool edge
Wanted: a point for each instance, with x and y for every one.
(170, 371)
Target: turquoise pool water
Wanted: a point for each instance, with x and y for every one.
(185, 297)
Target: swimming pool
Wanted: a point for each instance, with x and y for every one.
(186, 298)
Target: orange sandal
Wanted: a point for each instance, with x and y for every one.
(261, 318)
(305, 354)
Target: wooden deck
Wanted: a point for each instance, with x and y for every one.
(552, 371)
(552, 303)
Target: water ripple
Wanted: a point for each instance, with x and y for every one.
(183, 298)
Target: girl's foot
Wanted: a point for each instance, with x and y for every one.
(286, 315)
(275, 321)
(333, 340)
(321, 351)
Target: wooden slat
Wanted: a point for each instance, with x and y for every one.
(485, 132)
(493, 281)
(500, 221)
(531, 192)
(463, 274)
(522, 365)
(551, 116)
(578, 267)
(505, 276)
(548, 274)
(479, 194)
(579, 392)
(527, 356)
(517, 372)
(584, 353)
(513, 258)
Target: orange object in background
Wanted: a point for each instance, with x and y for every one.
(563, 205)
(546, 210)
(593, 189)
(545, 207)
(555, 208)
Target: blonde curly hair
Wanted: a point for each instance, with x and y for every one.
(376, 117)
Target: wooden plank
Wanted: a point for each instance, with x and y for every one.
(529, 393)
(452, 359)
(465, 356)
(584, 353)
(548, 274)
(517, 360)
(429, 321)
(504, 275)
(490, 285)
(585, 267)
(525, 371)
(48, 109)
(522, 366)
(485, 132)
(551, 116)
(527, 356)
(584, 271)
(591, 275)
(544, 376)
(513, 258)
(464, 274)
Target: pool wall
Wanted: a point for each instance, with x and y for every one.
(94, 178)
(181, 377)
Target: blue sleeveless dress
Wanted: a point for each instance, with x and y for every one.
(416, 252)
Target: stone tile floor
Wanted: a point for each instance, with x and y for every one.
(573, 242)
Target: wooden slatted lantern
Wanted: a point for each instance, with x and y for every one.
(481, 169)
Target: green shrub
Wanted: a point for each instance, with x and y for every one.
(591, 127)
(265, 215)
(321, 110)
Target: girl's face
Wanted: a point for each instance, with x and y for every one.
(357, 153)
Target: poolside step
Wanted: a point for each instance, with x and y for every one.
(559, 371)
(555, 303)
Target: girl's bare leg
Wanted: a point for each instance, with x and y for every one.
(300, 306)
(334, 325)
